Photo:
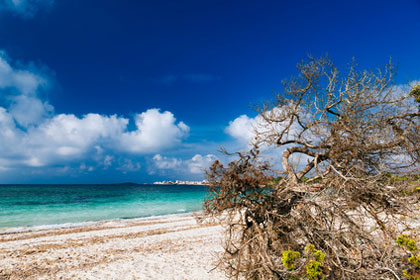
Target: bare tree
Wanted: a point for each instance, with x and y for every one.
(360, 135)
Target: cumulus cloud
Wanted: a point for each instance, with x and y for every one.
(199, 163)
(18, 88)
(28, 110)
(155, 131)
(24, 81)
(26, 8)
(245, 129)
(165, 162)
(242, 128)
(32, 135)
(195, 165)
(66, 137)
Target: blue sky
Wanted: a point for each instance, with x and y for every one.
(111, 91)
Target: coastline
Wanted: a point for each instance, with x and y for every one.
(161, 247)
(94, 223)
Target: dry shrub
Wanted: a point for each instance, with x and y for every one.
(360, 136)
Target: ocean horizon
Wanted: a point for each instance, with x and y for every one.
(26, 205)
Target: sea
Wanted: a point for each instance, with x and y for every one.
(36, 205)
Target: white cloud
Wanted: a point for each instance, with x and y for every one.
(155, 131)
(246, 129)
(242, 128)
(26, 8)
(19, 88)
(28, 110)
(165, 162)
(32, 135)
(23, 80)
(107, 162)
(196, 165)
(66, 137)
(199, 163)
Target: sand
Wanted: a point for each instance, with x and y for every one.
(167, 247)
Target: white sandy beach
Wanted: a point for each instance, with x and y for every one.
(167, 247)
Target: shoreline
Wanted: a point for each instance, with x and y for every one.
(30, 228)
(166, 247)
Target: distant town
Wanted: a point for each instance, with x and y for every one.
(180, 182)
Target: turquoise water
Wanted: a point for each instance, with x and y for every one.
(32, 205)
